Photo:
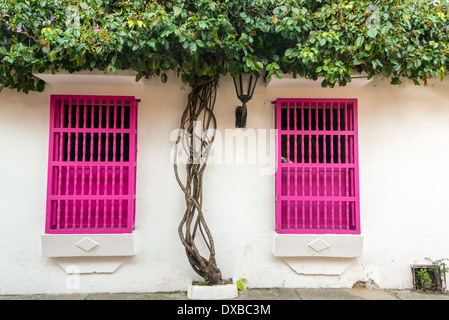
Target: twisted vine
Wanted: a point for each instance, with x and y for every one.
(198, 111)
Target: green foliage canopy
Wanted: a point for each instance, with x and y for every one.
(196, 38)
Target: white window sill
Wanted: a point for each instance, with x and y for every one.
(317, 254)
(87, 245)
(88, 253)
(317, 245)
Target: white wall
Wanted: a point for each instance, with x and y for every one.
(404, 171)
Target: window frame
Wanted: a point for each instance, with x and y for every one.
(116, 196)
(292, 211)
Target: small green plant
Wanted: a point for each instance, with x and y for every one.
(422, 279)
(431, 277)
(240, 285)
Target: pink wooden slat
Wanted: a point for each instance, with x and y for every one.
(60, 158)
(75, 174)
(296, 160)
(278, 174)
(106, 171)
(288, 168)
(69, 149)
(133, 157)
(122, 146)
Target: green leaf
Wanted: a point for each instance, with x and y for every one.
(27, 57)
(259, 66)
(193, 47)
(177, 11)
(385, 29)
(200, 43)
(152, 43)
(40, 85)
(164, 77)
(395, 81)
(240, 285)
(324, 83)
(288, 52)
(359, 41)
(82, 45)
(372, 32)
(250, 63)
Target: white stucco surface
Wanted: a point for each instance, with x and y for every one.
(404, 182)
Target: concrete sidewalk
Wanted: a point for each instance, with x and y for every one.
(252, 294)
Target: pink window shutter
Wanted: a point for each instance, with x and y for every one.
(92, 164)
(317, 186)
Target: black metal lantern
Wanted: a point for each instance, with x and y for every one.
(244, 87)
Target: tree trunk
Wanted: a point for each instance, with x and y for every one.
(198, 112)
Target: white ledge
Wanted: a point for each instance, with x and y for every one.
(287, 81)
(87, 245)
(89, 78)
(318, 265)
(81, 265)
(317, 245)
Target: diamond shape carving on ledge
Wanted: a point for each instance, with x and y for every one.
(87, 244)
(318, 245)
